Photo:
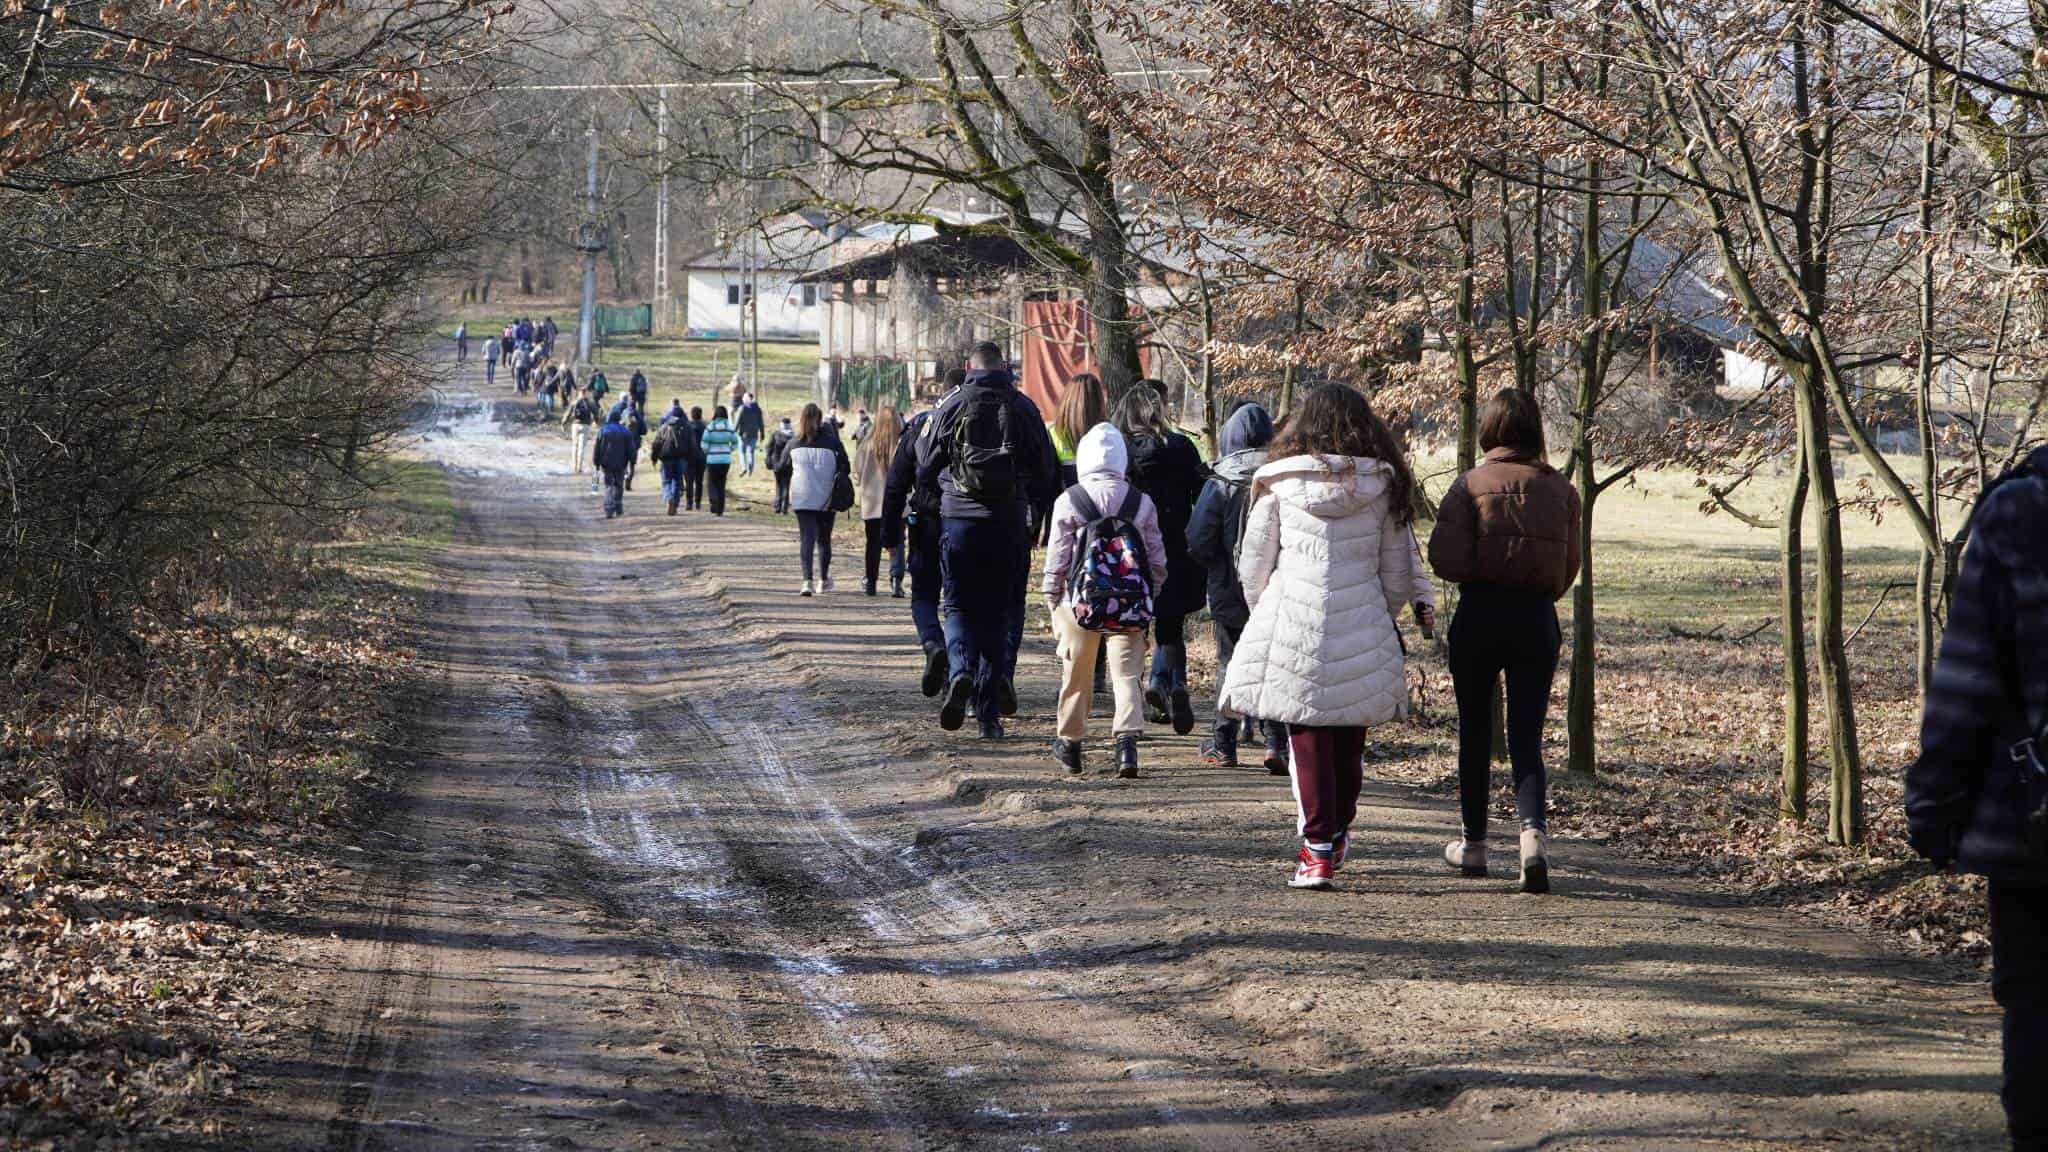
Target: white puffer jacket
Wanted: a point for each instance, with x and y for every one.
(1325, 567)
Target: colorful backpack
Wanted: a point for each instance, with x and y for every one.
(1109, 583)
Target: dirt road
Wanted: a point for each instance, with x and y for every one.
(684, 863)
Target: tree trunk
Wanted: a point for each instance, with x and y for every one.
(1845, 766)
(1208, 370)
(525, 269)
(1792, 620)
(1580, 713)
(1114, 338)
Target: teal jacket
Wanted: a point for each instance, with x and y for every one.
(719, 441)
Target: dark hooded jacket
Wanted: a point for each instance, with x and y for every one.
(1219, 512)
(1169, 469)
(1038, 471)
(900, 491)
(1965, 796)
(615, 449)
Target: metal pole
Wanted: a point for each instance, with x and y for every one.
(587, 324)
(663, 305)
(752, 302)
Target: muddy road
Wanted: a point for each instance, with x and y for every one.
(684, 863)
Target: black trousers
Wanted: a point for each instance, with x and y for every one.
(1502, 631)
(718, 472)
(2019, 982)
(872, 556)
(781, 493)
(693, 484)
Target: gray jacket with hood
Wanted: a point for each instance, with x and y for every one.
(1219, 512)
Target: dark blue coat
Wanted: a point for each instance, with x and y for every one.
(900, 492)
(615, 448)
(1038, 470)
(1990, 690)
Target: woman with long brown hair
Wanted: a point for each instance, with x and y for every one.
(871, 470)
(1328, 560)
(1082, 406)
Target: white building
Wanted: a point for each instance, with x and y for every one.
(761, 267)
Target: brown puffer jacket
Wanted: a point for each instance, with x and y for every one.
(1510, 522)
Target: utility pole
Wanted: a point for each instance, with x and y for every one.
(663, 305)
(750, 305)
(591, 238)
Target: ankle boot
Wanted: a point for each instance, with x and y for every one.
(1535, 861)
(1127, 757)
(896, 587)
(1068, 753)
(1467, 856)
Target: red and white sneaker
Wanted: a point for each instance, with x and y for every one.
(1313, 871)
(1343, 845)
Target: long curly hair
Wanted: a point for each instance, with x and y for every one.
(1334, 420)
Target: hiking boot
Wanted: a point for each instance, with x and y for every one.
(1221, 749)
(1068, 753)
(1127, 757)
(1467, 856)
(953, 711)
(1276, 761)
(1535, 861)
(1312, 869)
(867, 587)
(936, 667)
(896, 587)
(991, 728)
(805, 590)
(1155, 706)
(1006, 696)
(825, 585)
(1183, 711)
(672, 507)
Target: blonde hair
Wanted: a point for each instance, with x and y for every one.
(888, 428)
(1081, 408)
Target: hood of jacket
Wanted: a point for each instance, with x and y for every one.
(1249, 428)
(990, 378)
(1328, 487)
(1102, 453)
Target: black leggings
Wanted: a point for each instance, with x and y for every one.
(1500, 631)
(873, 556)
(814, 534)
(718, 472)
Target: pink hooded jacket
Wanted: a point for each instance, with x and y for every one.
(1100, 458)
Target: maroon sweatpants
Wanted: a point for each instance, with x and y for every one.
(1328, 771)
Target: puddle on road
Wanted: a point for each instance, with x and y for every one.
(490, 435)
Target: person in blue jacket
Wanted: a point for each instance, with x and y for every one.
(988, 455)
(911, 513)
(1977, 798)
(612, 456)
(1212, 542)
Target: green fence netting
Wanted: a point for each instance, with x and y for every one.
(874, 385)
(624, 320)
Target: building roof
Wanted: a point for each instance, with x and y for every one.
(958, 255)
(792, 243)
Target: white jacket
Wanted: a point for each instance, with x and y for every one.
(812, 469)
(1326, 567)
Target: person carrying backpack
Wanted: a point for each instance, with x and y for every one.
(582, 418)
(1213, 534)
(1977, 797)
(671, 450)
(612, 456)
(1104, 561)
(693, 460)
(989, 456)
(778, 464)
(1328, 558)
(718, 442)
(522, 367)
(637, 389)
(911, 513)
(599, 387)
(749, 423)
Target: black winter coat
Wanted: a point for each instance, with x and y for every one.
(1038, 468)
(1990, 691)
(1171, 472)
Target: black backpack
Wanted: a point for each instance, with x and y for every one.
(664, 447)
(984, 463)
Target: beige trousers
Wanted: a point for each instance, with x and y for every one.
(578, 451)
(1078, 646)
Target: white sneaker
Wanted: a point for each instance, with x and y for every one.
(1468, 858)
(806, 590)
(826, 584)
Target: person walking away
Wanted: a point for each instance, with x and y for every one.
(522, 367)
(612, 456)
(737, 393)
(1507, 536)
(1977, 796)
(637, 389)
(548, 332)
(506, 340)
(581, 418)
(910, 512)
(1214, 529)
(693, 460)
(749, 423)
(1082, 406)
(1104, 559)
(989, 457)
(1167, 466)
(550, 389)
(670, 449)
(1328, 559)
(817, 462)
(871, 466)
(778, 464)
(490, 351)
(718, 442)
(461, 342)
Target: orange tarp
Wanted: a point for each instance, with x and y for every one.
(1054, 348)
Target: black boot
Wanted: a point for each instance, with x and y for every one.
(1127, 757)
(953, 711)
(1182, 711)
(867, 587)
(936, 670)
(1068, 753)
(896, 587)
